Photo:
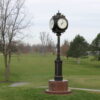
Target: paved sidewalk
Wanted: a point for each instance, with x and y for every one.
(85, 89)
(19, 84)
(26, 83)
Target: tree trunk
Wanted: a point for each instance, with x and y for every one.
(7, 67)
(78, 60)
(99, 58)
(7, 73)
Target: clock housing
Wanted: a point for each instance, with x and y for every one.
(59, 23)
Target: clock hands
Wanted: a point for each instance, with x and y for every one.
(62, 22)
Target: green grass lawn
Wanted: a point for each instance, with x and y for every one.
(38, 69)
(38, 94)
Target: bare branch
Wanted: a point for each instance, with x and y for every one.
(11, 24)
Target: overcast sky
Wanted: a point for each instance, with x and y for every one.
(83, 17)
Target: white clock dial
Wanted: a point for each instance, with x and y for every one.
(62, 23)
(51, 24)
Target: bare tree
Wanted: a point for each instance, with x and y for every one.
(11, 23)
(43, 38)
(50, 44)
(47, 42)
(65, 48)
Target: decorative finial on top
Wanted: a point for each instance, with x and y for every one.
(59, 12)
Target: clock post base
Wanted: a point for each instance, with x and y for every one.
(58, 87)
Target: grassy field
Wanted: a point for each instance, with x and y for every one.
(38, 94)
(38, 69)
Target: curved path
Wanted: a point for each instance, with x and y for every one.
(27, 83)
(19, 84)
(85, 89)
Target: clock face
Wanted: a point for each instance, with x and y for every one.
(62, 23)
(51, 24)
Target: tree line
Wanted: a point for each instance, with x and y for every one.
(79, 47)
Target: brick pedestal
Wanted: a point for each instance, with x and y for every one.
(58, 87)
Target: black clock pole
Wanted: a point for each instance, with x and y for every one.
(58, 62)
(58, 24)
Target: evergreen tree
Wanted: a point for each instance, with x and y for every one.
(95, 46)
(78, 47)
